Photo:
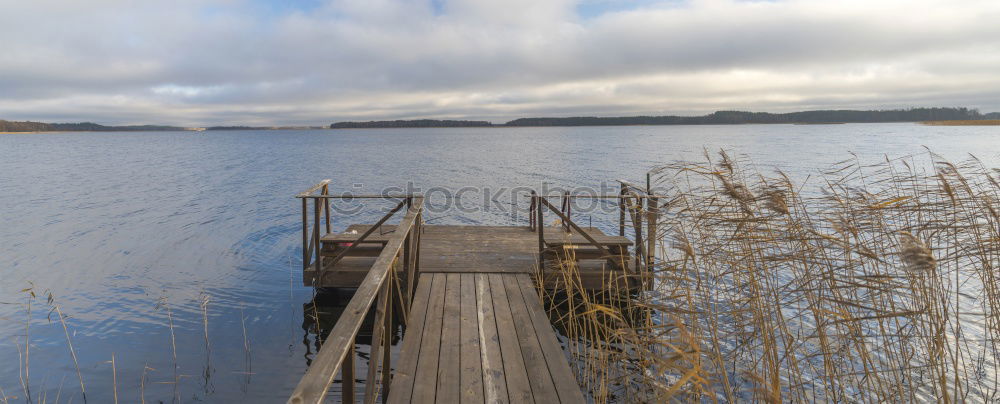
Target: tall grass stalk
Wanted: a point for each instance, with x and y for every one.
(114, 377)
(72, 352)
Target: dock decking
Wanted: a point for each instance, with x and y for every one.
(480, 338)
(476, 330)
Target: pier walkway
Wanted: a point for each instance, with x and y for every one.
(475, 329)
(477, 337)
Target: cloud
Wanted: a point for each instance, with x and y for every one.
(250, 61)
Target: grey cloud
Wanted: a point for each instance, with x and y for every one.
(221, 61)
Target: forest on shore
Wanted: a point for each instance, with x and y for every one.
(715, 118)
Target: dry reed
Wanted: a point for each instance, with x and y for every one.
(878, 283)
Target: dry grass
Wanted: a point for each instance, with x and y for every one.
(971, 122)
(876, 283)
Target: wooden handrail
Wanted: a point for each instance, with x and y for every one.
(572, 224)
(366, 196)
(312, 189)
(634, 187)
(313, 386)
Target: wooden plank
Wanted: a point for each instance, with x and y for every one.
(425, 379)
(518, 387)
(471, 378)
(401, 388)
(565, 383)
(448, 378)
(542, 387)
(494, 382)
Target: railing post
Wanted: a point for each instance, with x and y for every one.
(317, 246)
(326, 205)
(305, 234)
(621, 212)
(387, 345)
(637, 223)
(347, 376)
(531, 212)
(407, 269)
(540, 223)
(652, 209)
(567, 210)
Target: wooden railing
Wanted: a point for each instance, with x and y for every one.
(632, 200)
(311, 236)
(381, 288)
(538, 206)
(638, 205)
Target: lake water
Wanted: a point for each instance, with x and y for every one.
(122, 227)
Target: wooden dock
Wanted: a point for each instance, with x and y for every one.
(471, 249)
(476, 330)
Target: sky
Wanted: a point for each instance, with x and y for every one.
(313, 62)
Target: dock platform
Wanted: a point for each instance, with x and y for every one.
(473, 249)
(475, 328)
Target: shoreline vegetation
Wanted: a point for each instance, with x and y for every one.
(875, 283)
(928, 116)
(818, 117)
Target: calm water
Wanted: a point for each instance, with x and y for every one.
(120, 227)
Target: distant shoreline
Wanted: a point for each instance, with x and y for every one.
(928, 116)
(925, 123)
(967, 122)
(815, 117)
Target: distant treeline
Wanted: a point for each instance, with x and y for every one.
(263, 127)
(418, 123)
(27, 126)
(716, 118)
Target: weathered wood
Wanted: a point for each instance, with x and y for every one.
(313, 188)
(387, 330)
(621, 212)
(425, 379)
(314, 384)
(585, 235)
(371, 230)
(540, 229)
(471, 376)
(402, 381)
(542, 387)
(326, 206)
(318, 263)
(482, 249)
(306, 246)
(515, 372)
(378, 333)
(565, 383)
(449, 363)
(494, 382)
(347, 376)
